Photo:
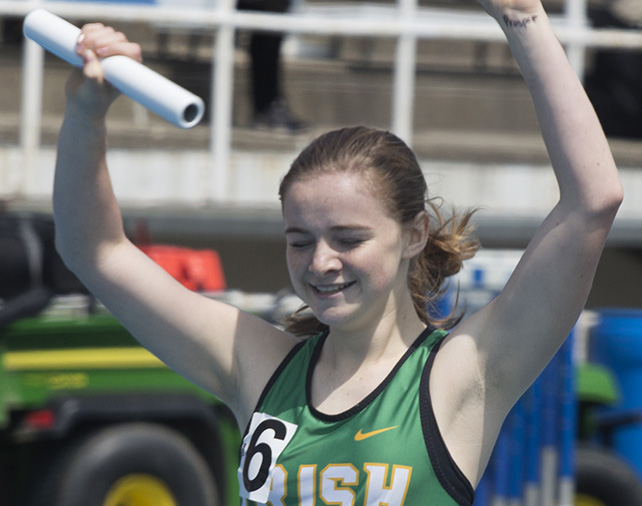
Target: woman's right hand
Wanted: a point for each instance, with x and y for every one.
(86, 89)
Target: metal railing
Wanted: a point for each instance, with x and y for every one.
(405, 21)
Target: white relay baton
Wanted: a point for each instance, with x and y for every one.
(157, 93)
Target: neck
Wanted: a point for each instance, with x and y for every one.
(353, 363)
(387, 338)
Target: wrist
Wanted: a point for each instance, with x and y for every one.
(83, 124)
(515, 20)
(533, 43)
(509, 20)
(83, 114)
(87, 99)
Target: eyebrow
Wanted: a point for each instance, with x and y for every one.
(336, 228)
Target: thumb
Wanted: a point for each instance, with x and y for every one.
(92, 68)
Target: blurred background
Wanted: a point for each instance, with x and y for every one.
(448, 86)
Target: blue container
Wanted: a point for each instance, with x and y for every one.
(617, 343)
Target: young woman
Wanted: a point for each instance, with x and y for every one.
(380, 405)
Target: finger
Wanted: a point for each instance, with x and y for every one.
(92, 68)
(92, 26)
(125, 48)
(93, 36)
(87, 29)
(104, 37)
(105, 41)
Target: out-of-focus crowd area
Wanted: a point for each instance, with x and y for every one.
(467, 115)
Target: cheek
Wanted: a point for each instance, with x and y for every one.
(294, 262)
(383, 268)
(377, 268)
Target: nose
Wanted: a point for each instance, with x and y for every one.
(325, 259)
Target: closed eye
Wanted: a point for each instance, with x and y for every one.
(299, 244)
(350, 241)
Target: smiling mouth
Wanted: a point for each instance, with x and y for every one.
(330, 289)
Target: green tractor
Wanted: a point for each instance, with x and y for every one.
(87, 416)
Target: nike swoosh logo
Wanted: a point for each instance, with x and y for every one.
(360, 436)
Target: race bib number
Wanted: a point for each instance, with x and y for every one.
(266, 439)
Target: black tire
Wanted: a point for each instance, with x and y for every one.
(140, 458)
(602, 478)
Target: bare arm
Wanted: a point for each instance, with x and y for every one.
(495, 355)
(227, 352)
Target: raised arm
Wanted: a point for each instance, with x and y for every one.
(494, 356)
(227, 352)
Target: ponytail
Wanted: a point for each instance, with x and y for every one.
(450, 243)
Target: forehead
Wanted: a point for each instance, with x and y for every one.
(333, 198)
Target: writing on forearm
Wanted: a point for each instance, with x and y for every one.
(519, 23)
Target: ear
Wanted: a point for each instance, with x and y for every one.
(416, 235)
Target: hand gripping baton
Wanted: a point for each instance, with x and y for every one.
(160, 95)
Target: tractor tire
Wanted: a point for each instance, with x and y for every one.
(135, 464)
(603, 479)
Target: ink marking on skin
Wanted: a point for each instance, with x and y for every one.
(519, 23)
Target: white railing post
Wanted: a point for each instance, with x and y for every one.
(404, 77)
(221, 104)
(577, 19)
(31, 112)
(410, 24)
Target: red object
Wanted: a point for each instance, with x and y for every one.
(40, 419)
(199, 270)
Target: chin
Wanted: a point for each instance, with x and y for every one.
(332, 318)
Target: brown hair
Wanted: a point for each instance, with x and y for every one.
(392, 166)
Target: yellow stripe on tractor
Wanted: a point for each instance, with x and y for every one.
(82, 358)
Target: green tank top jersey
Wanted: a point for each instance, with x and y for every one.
(385, 451)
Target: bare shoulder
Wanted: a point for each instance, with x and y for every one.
(261, 348)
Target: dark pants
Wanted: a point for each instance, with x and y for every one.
(614, 84)
(265, 52)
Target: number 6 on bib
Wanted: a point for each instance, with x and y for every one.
(266, 438)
